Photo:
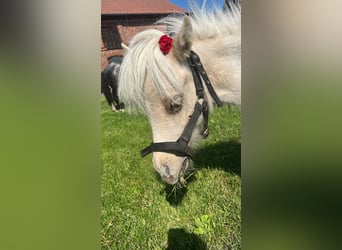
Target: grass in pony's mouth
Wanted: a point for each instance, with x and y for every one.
(182, 181)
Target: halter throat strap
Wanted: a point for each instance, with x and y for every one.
(181, 146)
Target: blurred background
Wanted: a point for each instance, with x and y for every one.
(291, 161)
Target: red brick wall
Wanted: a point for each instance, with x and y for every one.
(126, 34)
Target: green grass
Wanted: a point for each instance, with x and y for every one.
(141, 212)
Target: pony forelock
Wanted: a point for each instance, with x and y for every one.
(144, 57)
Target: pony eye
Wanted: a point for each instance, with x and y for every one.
(174, 105)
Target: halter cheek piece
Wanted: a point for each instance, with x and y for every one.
(181, 147)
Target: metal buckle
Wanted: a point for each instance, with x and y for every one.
(205, 133)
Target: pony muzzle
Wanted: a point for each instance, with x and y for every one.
(170, 168)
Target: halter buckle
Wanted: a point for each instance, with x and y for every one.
(205, 133)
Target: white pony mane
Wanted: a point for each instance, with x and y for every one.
(207, 23)
(144, 54)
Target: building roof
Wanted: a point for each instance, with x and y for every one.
(117, 7)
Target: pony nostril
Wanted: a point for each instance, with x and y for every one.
(166, 175)
(165, 170)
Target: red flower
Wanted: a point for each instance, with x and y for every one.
(165, 44)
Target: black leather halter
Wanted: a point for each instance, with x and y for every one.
(181, 147)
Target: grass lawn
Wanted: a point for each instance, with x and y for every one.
(141, 212)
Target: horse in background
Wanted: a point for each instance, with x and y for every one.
(161, 74)
(109, 83)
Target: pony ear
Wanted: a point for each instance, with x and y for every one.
(124, 47)
(183, 40)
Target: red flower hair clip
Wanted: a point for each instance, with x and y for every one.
(165, 44)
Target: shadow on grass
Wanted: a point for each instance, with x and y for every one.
(179, 239)
(222, 155)
(175, 195)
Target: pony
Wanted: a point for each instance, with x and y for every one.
(109, 83)
(162, 84)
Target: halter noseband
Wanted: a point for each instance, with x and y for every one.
(181, 147)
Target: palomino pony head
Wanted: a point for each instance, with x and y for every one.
(162, 84)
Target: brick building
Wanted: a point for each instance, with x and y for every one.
(122, 19)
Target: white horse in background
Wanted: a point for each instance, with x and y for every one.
(162, 84)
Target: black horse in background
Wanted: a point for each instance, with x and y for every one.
(109, 83)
